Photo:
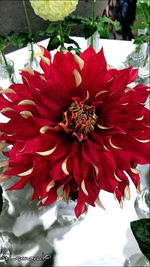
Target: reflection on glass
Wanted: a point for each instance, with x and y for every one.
(7, 70)
(65, 212)
(5, 248)
(5, 207)
(142, 204)
(137, 260)
(94, 40)
(32, 59)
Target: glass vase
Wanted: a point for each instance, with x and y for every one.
(94, 41)
(142, 203)
(136, 58)
(32, 60)
(5, 248)
(144, 71)
(137, 260)
(65, 212)
(7, 73)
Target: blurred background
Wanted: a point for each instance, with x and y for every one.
(12, 17)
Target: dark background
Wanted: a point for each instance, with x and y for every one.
(12, 17)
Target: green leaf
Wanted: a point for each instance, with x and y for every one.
(142, 12)
(103, 30)
(12, 38)
(54, 42)
(40, 33)
(1, 199)
(141, 232)
(23, 39)
(105, 19)
(117, 25)
(2, 40)
(74, 19)
(52, 29)
(141, 39)
(68, 40)
(139, 25)
(66, 29)
(77, 51)
(88, 30)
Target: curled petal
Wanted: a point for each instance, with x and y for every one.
(103, 127)
(78, 78)
(64, 167)
(136, 171)
(7, 91)
(96, 170)
(50, 185)
(26, 114)
(116, 147)
(138, 189)
(142, 141)
(79, 61)
(6, 109)
(44, 129)
(45, 60)
(28, 69)
(140, 118)
(47, 153)
(60, 192)
(101, 92)
(26, 102)
(84, 188)
(121, 204)
(99, 203)
(28, 172)
(127, 192)
(117, 178)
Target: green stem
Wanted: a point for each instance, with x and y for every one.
(93, 11)
(93, 18)
(27, 17)
(5, 61)
(29, 28)
(32, 52)
(60, 31)
(3, 56)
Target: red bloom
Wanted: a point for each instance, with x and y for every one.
(76, 127)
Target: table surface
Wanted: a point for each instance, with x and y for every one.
(103, 238)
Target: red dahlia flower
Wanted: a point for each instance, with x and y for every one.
(75, 127)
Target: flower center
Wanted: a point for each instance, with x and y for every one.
(80, 118)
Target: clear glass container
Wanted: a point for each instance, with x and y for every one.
(136, 58)
(142, 203)
(137, 260)
(7, 72)
(65, 212)
(5, 206)
(5, 248)
(32, 60)
(95, 39)
(144, 70)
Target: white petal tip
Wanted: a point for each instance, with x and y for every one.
(28, 172)
(78, 78)
(84, 188)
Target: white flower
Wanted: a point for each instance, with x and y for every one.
(53, 10)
